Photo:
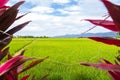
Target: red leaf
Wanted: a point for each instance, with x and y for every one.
(106, 40)
(3, 2)
(14, 30)
(5, 7)
(21, 16)
(8, 20)
(4, 53)
(5, 42)
(104, 23)
(25, 77)
(2, 10)
(9, 77)
(8, 64)
(113, 69)
(103, 66)
(114, 75)
(33, 63)
(9, 16)
(12, 74)
(114, 11)
(106, 61)
(17, 28)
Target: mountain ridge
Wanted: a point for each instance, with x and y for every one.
(106, 34)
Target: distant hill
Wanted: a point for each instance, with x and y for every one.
(107, 34)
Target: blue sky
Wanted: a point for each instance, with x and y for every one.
(60, 17)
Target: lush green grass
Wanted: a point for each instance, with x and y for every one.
(64, 57)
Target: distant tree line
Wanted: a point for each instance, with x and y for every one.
(31, 37)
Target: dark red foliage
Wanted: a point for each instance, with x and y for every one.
(113, 69)
(25, 77)
(114, 11)
(104, 23)
(11, 68)
(107, 40)
(115, 76)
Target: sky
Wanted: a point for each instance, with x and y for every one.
(60, 17)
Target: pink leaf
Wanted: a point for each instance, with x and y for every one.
(103, 66)
(8, 64)
(106, 40)
(19, 68)
(114, 11)
(104, 23)
(113, 69)
(3, 2)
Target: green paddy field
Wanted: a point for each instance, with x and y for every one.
(65, 54)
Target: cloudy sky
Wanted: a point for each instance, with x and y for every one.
(60, 17)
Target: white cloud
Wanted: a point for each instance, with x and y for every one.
(69, 12)
(46, 3)
(115, 1)
(61, 1)
(40, 2)
(42, 9)
(74, 8)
